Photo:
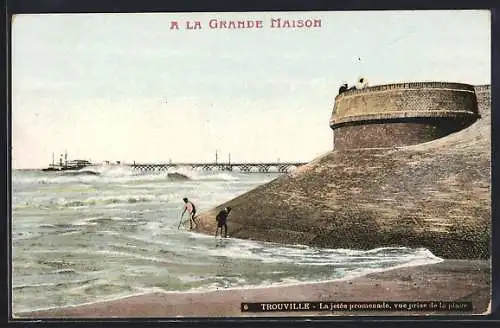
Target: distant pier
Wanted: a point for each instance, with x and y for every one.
(279, 167)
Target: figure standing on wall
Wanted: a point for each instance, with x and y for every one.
(343, 88)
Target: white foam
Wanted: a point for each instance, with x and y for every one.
(86, 222)
(54, 284)
(137, 256)
(116, 173)
(109, 200)
(161, 243)
(114, 297)
(415, 258)
(311, 256)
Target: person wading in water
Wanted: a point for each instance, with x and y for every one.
(221, 219)
(191, 209)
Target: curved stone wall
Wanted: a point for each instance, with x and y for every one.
(436, 196)
(401, 114)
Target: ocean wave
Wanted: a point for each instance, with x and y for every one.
(296, 255)
(311, 256)
(76, 227)
(226, 267)
(64, 202)
(21, 235)
(119, 174)
(60, 284)
(79, 173)
(82, 292)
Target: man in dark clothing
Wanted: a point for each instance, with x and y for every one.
(221, 221)
(343, 88)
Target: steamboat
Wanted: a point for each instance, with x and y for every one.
(65, 165)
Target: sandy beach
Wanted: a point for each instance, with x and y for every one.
(450, 280)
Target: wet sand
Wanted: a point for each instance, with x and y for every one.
(450, 280)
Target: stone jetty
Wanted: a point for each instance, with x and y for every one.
(433, 194)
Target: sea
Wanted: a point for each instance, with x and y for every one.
(107, 232)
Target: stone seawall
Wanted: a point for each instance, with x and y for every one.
(435, 195)
(423, 111)
(393, 132)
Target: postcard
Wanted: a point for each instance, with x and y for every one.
(245, 164)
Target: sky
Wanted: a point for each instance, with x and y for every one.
(126, 87)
